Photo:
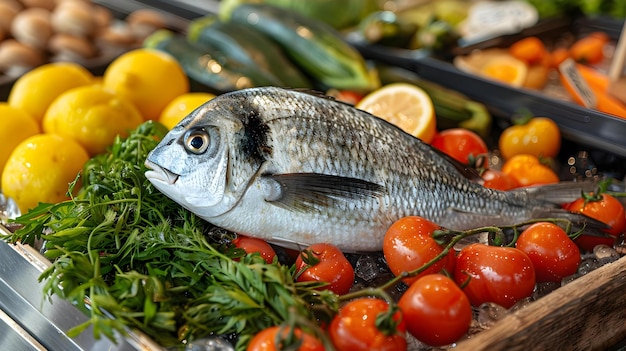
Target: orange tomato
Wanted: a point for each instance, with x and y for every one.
(539, 136)
(277, 338)
(530, 50)
(589, 49)
(528, 170)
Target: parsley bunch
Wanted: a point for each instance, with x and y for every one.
(131, 258)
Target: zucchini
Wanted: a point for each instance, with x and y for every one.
(207, 65)
(314, 46)
(247, 46)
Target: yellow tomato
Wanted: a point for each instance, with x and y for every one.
(527, 170)
(540, 137)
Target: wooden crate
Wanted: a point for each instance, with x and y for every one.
(586, 314)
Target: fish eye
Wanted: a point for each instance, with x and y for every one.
(197, 141)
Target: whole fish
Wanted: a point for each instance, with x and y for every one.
(296, 168)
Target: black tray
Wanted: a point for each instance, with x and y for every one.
(578, 124)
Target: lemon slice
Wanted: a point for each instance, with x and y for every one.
(506, 69)
(407, 106)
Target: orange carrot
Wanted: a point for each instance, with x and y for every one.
(596, 80)
(604, 102)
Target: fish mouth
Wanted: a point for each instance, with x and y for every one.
(160, 174)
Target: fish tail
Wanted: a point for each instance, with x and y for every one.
(559, 193)
(553, 196)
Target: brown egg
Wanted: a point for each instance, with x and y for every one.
(45, 4)
(75, 18)
(17, 58)
(8, 11)
(71, 47)
(32, 27)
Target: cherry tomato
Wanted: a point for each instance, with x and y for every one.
(495, 179)
(539, 137)
(435, 310)
(326, 264)
(503, 275)
(527, 170)
(608, 210)
(354, 327)
(460, 144)
(409, 244)
(267, 340)
(251, 245)
(348, 96)
(553, 253)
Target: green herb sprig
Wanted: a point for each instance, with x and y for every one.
(129, 257)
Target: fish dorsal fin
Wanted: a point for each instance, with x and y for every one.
(310, 191)
(468, 172)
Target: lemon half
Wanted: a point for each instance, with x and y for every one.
(405, 105)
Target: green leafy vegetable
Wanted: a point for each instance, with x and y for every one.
(142, 261)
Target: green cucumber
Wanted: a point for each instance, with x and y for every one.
(247, 46)
(314, 46)
(208, 66)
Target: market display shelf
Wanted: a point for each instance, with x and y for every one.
(579, 124)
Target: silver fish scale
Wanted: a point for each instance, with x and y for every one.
(323, 136)
(296, 169)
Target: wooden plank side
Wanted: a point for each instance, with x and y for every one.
(586, 314)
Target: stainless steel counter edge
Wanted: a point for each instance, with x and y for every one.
(31, 321)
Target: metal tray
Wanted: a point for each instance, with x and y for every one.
(30, 321)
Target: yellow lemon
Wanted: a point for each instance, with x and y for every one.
(181, 106)
(407, 106)
(148, 78)
(35, 90)
(505, 68)
(40, 168)
(15, 126)
(91, 115)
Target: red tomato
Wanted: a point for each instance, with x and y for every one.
(553, 253)
(409, 244)
(331, 267)
(460, 143)
(267, 340)
(251, 245)
(503, 275)
(435, 310)
(348, 96)
(527, 170)
(354, 327)
(495, 179)
(608, 210)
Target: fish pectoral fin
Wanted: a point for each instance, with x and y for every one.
(310, 191)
